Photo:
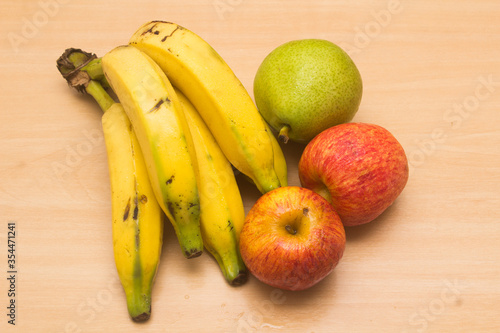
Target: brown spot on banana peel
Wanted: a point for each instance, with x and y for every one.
(170, 180)
(157, 105)
(136, 213)
(135, 216)
(136, 207)
(160, 102)
(138, 239)
(151, 28)
(127, 211)
(170, 35)
(171, 209)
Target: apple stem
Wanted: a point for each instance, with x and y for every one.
(283, 134)
(290, 229)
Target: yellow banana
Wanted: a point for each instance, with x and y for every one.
(137, 226)
(137, 217)
(222, 211)
(194, 67)
(163, 133)
(279, 161)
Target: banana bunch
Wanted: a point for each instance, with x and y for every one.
(185, 120)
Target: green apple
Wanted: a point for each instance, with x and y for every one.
(306, 86)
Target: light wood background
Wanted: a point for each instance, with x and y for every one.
(430, 263)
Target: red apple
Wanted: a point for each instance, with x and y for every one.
(291, 238)
(359, 168)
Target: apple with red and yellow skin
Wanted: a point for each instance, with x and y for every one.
(292, 238)
(359, 168)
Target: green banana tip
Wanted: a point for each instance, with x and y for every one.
(141, 318)
(192, 253)
(240, 279)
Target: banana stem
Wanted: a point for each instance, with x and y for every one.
(94, 69)
(83, 71)
(79, 58)
(96, 90)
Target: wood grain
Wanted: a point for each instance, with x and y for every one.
(430, 263)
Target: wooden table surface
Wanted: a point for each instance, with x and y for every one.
(430, 263)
